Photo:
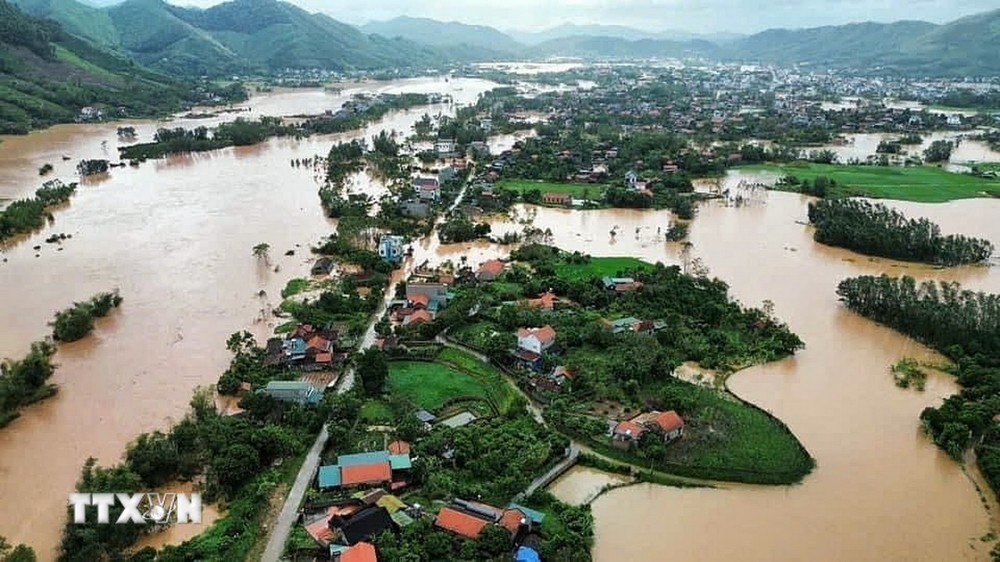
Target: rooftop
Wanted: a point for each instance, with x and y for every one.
(460, 523)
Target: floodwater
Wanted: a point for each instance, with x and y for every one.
(581, 485)
(861, 146)
(174, 236)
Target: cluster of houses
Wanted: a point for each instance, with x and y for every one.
(422, 303)
(627, 433)
(468, 519)
(307, 348)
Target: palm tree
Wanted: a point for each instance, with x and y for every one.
(262, 252)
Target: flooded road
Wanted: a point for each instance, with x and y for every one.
(175, 237)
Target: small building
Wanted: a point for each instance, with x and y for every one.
(537, 340)
(323, 266)
(478, 150)
(447, 174)
(626, 434)
(486, 124)
(391, 248)
(546, 301)
(365, 469)
(563, 199)
(490, 270)
(418, 317)
(363, 526)
(460, 523)
(436, 293)
(293, 391)
(360, 552)
(669, 424)
(444, 146)
(528, 360)
(459, 420)
(631, 178)
(621, 284)
(428, 189)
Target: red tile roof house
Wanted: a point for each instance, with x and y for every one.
(546, 301)
(626, 434)
(490, 270)
(670, 424)
(468, 519)
(536, 340)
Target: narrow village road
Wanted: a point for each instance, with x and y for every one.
(290, 510)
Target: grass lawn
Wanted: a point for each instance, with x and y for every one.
(577, 190)
(375, 412)
(495, 384)
(598, 267)
(430, 385)
(923, 184)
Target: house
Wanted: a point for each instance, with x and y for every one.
(955, 120)
(626, 434)
(621, 284)
(417, 318)
(293, 391)
(536, 340)
(545, 301)
(398, 448)
(437, 294)
(528, 360)
(390, 248)
(468, 518)
(527, 554)
(361, 552)
(362, 526)
(459, 420)
(447, 174)
(631, 178)
(486, 124)
(460, 523)
(444, 146)
(670, 424)
(478, 149)
(294, 349)
(428, 189)
(490, 270)
(563, 199)
(323, 266)
(425, 418)
(365, 469)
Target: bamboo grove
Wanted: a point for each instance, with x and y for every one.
(876, 230)
(963, 325)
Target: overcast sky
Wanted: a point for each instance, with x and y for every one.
(699, 16)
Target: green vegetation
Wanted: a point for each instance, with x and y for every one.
(431, 385)
(908, 372)
(294, 287)
(876, 230)
(239, 460)
(572, 267)
(16, 553)
(961, 324)
(26, 215)
(24, 382)
(460, 229)
(577, 190)
(921, 184)
(77, 321)
(237, 133)
(45, 170)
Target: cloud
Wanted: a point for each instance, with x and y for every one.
(699, 16)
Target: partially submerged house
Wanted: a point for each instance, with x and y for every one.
(323, 266)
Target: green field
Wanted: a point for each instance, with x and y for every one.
(577, 190)
(922, 184)
(430, 385)
(598, 267)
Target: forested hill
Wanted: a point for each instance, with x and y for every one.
(234, 37)
(47, 75)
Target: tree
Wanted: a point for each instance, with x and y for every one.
(235, 467)
(939, 151)
(262, 252)
(373, 369)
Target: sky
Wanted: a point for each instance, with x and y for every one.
(696, 16)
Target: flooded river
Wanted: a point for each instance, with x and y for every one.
(881, 490)
(175, 236)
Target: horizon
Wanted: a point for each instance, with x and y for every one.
(649, 16)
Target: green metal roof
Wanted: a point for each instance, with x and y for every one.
(401, 518)
(329, 476)
(288, 385)
(535, 515)
(363, 458)
(400, 462)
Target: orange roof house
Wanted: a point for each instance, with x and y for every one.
(417, 318)
(399, 448)
(462, 524)
(628, 430)
(547, 301)
(366, 474)
(420, 301)
(511, 520)
(361, 552)
(545, 334)
(490, 270)
(669, 421)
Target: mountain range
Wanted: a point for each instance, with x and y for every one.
(265, 35)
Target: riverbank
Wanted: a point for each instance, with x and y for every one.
(923, 184)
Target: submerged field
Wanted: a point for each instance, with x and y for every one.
(922, 184)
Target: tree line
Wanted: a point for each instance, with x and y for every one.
(75, 322)
(26, 215)
(876, 230)
(964, 326)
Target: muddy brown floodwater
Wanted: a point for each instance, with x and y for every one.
(881, 490)
(175, 237)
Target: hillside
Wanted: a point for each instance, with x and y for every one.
(48, 75)
(616, 48)
(74, 17)
(444, 34)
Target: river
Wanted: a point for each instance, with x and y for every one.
(175, 237)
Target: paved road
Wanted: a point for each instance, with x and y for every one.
(290, 510)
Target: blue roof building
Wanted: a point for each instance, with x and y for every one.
(527, 554)
(328, 477)
(390, 248)
(293, 391)
(358, 459)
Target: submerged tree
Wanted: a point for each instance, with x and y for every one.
(262, 252)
